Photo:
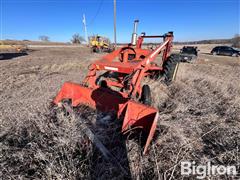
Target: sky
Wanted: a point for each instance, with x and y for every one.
(60, 19)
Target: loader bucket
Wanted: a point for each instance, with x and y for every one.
(102, 99)
(106, 100)
(143, 117)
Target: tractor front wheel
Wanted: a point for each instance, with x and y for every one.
(170, 67)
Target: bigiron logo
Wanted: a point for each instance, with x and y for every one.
(203, 171)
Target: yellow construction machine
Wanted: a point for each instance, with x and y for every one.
(100, 44)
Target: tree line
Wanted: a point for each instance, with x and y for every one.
(235, 41)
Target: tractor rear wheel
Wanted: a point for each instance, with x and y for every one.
(170, 67)
(146, 95)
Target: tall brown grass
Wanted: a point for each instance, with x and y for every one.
(199, 121)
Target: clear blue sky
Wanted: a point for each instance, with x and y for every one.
(60, 19)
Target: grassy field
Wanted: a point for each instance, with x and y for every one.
(199, 120)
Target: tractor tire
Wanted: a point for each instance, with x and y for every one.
(93, 49)
(109, 50)
(169, 67)
(146, 95)
(97, 50)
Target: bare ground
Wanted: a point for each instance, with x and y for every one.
(199, 120)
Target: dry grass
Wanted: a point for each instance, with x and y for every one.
(44, 146)
(199, 120)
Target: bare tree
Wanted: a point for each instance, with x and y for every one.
(236, 41)
(44, 38)
(77, 39)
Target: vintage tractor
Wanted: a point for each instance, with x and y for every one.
(114, 84)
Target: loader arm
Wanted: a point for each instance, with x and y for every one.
(144, 65)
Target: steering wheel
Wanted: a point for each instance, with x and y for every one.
(122, 51)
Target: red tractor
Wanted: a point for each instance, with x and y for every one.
(114, 83)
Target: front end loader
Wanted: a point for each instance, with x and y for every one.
(114, 84)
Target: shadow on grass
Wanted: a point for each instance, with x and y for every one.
(7, 56)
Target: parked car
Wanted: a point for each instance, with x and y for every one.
(188, 53)
(225, 50)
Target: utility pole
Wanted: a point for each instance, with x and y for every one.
(115, 33)
(1, 23)
(85, 28)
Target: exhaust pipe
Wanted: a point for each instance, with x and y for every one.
(134, 34)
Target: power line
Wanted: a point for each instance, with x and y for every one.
(98, 10)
